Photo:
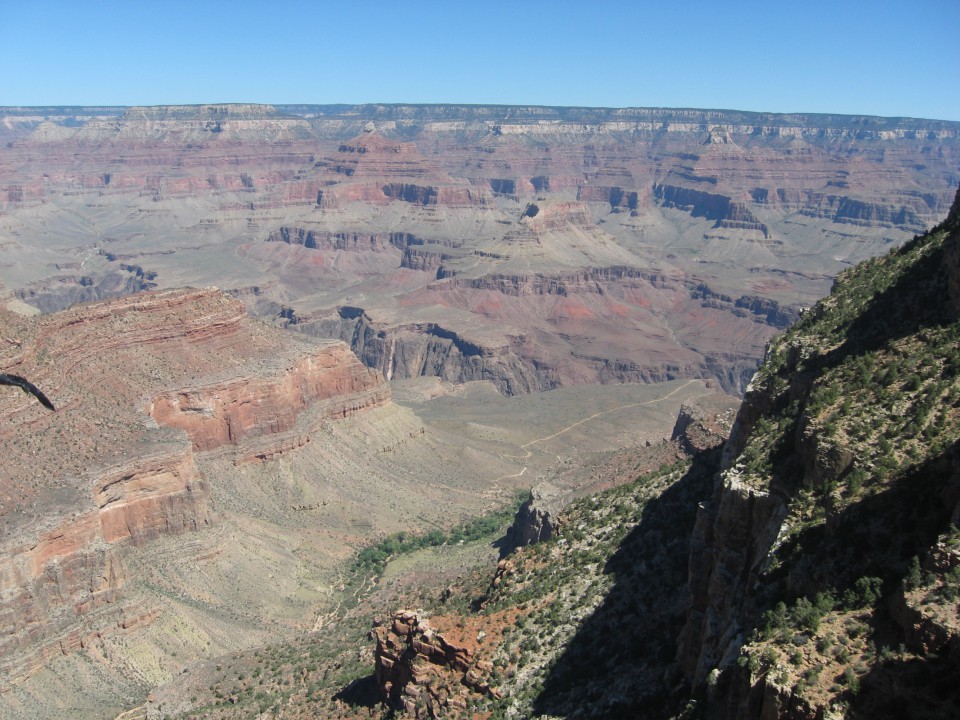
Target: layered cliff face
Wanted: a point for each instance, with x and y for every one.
(331, 382)
(147, 388)
(66, 585)
(836, 509)
(410, 351)
(472, 218)
(543, 327)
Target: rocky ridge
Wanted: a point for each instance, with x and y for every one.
(821, 444)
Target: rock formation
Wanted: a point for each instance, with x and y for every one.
(537, 519)
(421, 671)
(225, 413)
(101, 479)
(542, 226)
(703, 425)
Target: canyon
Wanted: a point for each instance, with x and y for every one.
(276, 335)
(803, 563)
(197, 453)
(534, 247)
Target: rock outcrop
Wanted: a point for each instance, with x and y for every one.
(429, 349)
(417, 259)
(703, 425)
(930, 628)
(352, 242)
(332, 382)
(421, 671)
(538, 518)
(700, 203)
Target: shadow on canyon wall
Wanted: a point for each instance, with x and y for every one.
(616, 664)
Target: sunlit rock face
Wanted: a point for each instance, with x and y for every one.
(144, 385)
(695, 234)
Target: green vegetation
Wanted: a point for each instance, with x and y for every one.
(880, 357)
(857, 430)
(865, 387)
(374, 558)
(782, 622)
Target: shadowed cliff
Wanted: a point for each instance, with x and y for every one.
(616, 664)
(831, 536)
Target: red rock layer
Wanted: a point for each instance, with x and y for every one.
(76, 571)
(82, 486)
(424, 672)
(154, 497)
(224, 414)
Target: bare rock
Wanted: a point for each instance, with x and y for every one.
(421, 671)
(537, 520)
(225, 413)
(704, 424)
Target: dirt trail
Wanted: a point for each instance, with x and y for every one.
(569, 427)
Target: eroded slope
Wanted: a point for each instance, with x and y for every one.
(89, 490)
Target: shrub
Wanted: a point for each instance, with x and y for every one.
(912, 579)
(806, 615)
(851, 680)
(864, 593)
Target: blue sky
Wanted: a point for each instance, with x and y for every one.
(881, 58)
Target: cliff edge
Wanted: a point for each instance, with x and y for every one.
(823, 571)
(146, 387)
